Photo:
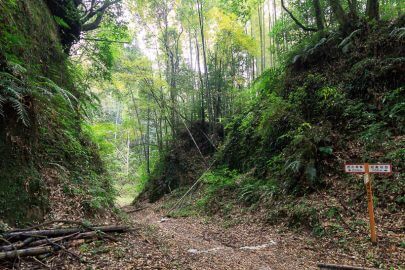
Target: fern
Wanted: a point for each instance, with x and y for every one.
(399, 33)
(15, 87)
(13, 91)
(293, 166)
(21, 110)
(2, 101)
(349, 38)
(50, 88)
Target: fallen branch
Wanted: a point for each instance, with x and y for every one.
(40, 242)
(26, 252)
(54, 240)
(324, 266)
(60, 232)
(68, 251)
(52, 222)
(17, 245)
(136, 210)
(35, 251)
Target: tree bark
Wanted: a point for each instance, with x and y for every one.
(26, 252)
(372, 10)
(275, 42)
(318, 15)
(202, 105)
(148, 141)
(352, 9)
(201, 21)
(339, 13)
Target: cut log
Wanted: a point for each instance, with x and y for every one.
(35, 251)
(15, 236)
(17, 245)
(26, 252)
(46, 241)
(52, 240)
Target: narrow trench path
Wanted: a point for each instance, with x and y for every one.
(194, 243)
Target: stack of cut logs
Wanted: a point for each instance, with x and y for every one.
(36, 242)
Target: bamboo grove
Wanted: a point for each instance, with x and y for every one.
(169, 63)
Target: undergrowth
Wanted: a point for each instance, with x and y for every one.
(340, 99)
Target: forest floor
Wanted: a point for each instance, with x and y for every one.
(200, 242)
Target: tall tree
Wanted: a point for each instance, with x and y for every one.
(372, 9)
(319, 17)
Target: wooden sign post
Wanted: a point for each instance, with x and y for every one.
(368, 169)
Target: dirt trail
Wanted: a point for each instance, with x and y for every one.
(192, 243)
(200, 243)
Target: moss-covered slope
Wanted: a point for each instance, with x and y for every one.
(42, 146)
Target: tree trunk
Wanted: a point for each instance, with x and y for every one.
(372, 10)
(202, 107)
(201, 21)
(339, 13)
(318, 15)
(259, 17)
(352, 9)
(148, 141)
(264, 38)
(140, 125)
(128, 153)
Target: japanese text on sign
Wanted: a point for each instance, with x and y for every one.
(380, 168)
(368, 168)
(355, 168)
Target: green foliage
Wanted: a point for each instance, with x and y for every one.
(298, 214)
(302, 157)
(218, 183)
(223, 187)
(347, 43)
(276, 114)
(374, 135)
(394, 108)
(253, 191)
(13, 91)
(61, 22)
(104, 52)
(292, 125)
(358, 115)
(331, 102)
(307, 48)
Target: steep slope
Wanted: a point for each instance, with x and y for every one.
(47, 162)
(339, 99)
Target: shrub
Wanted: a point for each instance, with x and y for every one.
(303, 156)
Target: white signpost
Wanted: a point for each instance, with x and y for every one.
(368, 169)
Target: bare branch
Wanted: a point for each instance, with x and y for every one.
(93, 25)
(99, 13)
(303, 27)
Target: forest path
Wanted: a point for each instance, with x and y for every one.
(195, 243)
